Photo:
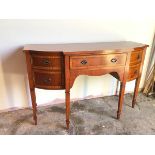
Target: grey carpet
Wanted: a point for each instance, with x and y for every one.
(91, 116)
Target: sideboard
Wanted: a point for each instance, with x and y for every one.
(56, 66)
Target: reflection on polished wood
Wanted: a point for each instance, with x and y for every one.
(56, 66)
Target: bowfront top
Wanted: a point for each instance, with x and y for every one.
(77, 47)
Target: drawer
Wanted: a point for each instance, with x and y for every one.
(93, 61)
(133, 72)
(43, 79)
(51, 62)
(136, 57)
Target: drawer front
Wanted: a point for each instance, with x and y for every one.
(47, 62)
(133, 72)
(79, 62)
(48, 80)
(136, 57)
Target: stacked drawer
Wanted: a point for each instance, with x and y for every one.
(48, 69)
(135, 63)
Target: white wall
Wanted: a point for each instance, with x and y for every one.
(15, 33)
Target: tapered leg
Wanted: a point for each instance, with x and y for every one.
(121, 99)
(67, 108)
(67, 87)
(135, 92)
(32, 85)
(34, 105)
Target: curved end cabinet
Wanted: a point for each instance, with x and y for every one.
(56, 66)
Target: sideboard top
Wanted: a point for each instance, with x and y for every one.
(73, 47)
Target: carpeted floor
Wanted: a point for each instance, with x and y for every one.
(88, 117)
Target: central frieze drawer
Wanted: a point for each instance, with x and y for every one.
(79, 62)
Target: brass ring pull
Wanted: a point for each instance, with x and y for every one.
(113, 60)
(135, 72)
(138, 57)
(45, 62)
(84, 62)
(47, 80)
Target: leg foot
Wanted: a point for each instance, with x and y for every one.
(67, 108)
(67, 124)
(118, 115)
(34, 105)
(135, 92)
(133, 103)
(35, 120)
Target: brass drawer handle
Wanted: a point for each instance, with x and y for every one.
(135, 72)
(84, 62)
(46, 62)
(138, 56)
(113, 60)
(47, 80)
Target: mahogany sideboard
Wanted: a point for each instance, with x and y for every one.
(56, 66)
